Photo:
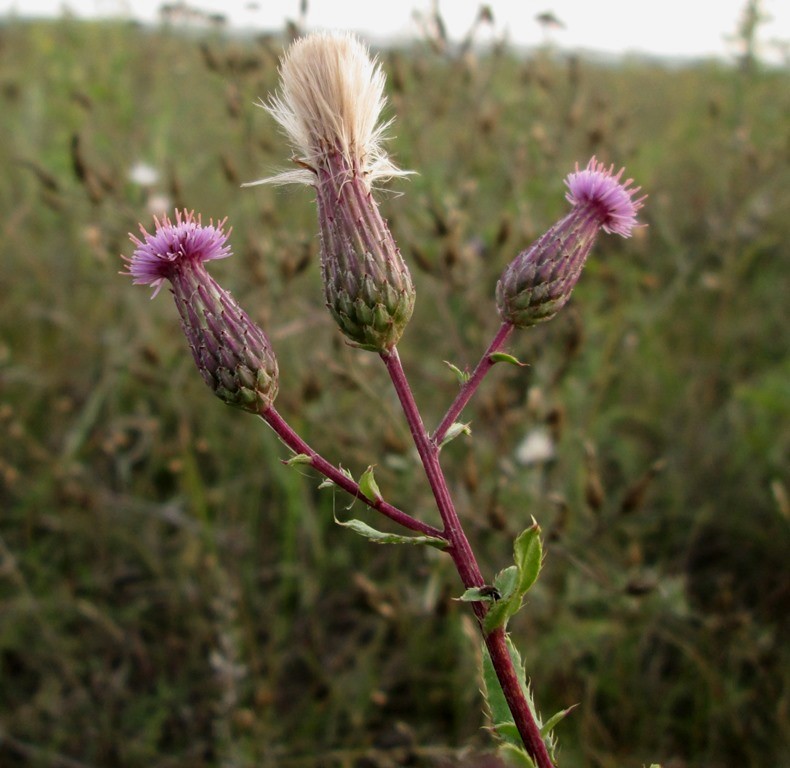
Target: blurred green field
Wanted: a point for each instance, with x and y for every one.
(172, 596)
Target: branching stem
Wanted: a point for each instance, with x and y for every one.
(460, 550)
(471, 385)
(286, 433)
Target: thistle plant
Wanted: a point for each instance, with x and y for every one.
(329, 103)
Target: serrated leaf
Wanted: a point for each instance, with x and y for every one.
(380, 537)
(480, 595)
(516, 756)
(300, 458)
(498, 710)
(369, 486)
(506, 581)
(455, 429)
(462, 376)
(503, 357)
(528, 552)
(514, 582)
(521, 674)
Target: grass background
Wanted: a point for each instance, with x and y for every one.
(171, 595)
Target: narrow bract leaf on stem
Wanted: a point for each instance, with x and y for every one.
(462, 376)
(299, 458)
(455, 429)
(549, 725)
(380, 537)
(503, 357)
(369, 486)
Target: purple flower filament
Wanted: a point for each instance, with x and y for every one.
(600, 190)
(172, 247)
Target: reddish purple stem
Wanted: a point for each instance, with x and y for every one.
(299, 446)
(471, 385)
(459, 548)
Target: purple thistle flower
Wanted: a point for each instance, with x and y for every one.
(233, 354)
(539, 281)
(595, 187)
(174, 246)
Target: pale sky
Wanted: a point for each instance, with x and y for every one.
(664, 27)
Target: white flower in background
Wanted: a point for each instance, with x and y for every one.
(536, 448)
(143, 174)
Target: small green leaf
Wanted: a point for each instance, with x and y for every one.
(368, 485)
(300, 458)
(500, 612)
(503, 357)
(506, 581)
(455, 429)
(485, 594)
(548, 726)
(462, 376)
(326, 483)
(379, 537)
(514, 582)
(528, 553)
(516, 756)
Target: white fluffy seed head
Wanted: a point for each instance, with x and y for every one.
(330, 99)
